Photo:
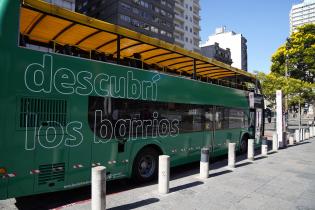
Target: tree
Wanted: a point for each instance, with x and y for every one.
(297, 55)
(296, 90)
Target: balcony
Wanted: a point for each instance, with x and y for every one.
(179, 27)
(196, 16)
(179, 17)
(196, 5)
(197, 27)
(181, 44)
(179, 5)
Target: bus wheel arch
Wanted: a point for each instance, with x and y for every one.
(145, 163)
(244, 143)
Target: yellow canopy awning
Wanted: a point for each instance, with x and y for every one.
(46, 23)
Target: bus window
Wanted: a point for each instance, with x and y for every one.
(209, 118)
(221, 118)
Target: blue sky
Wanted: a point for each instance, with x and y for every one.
(264, 23)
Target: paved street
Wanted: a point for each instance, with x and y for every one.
(283, 180)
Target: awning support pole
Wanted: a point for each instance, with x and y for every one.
(118, 49)
(194, 73)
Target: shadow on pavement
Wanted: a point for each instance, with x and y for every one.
(220, 173)
(185, 186)
(243, 164)
(301, 143)
(137, 204)
(53, 200)
(259, 158)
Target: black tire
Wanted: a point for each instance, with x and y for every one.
(244, 145)
(145, 165)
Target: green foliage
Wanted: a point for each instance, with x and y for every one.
(298, 54)
(296, 90)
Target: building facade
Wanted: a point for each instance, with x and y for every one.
(302, 14)
(67, 4)
(150, 17)
(187, 24)
(236, 42)
(218, 53)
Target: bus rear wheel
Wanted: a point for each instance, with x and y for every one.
(243, 146)
(145, 167)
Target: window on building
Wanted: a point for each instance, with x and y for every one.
(125, 18)
(125, 6)
(163, 13)
(154, 29)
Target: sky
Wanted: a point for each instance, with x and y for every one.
(264, 23)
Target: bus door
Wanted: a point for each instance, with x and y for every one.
(209, 127)
(258, 124)
(106, 116)
(255, 124)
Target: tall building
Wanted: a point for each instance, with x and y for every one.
(68, 4)
(150, 17)
(218, 53)
(235, 42)
(186, 22)
(302, 14)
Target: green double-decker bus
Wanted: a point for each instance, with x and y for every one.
(77, 92)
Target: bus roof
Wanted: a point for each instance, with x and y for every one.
(46, 23)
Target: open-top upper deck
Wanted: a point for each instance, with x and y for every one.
(64, 31)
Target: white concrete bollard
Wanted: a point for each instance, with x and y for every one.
(264, 150)
(303, 134)
(311, 132)
(297, 136)
(231, 162)
(164, 174)
(275, 142)
(307, 135)
(291, 140)
(98, 185)
(250, 150)
(204, 163)
(264, 147)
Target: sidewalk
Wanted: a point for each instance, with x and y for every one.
(283, 180)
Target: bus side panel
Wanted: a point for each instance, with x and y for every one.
(223, 137)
